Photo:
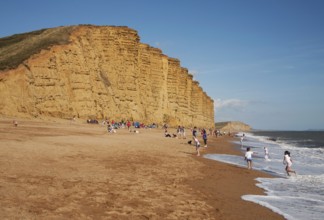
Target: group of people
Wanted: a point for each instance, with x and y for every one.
(181, 134)
(287, 161)
(197, 143)
(249, 153)
(112, 125)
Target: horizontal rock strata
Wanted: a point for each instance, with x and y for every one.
(101, 72)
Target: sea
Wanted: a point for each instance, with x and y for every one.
(299, 196)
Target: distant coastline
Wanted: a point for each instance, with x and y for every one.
(232, 126)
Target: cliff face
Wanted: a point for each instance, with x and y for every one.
(104, 72)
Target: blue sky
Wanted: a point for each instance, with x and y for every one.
(262, 61)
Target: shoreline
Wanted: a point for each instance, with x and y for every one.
(79, 171)
(231, 178)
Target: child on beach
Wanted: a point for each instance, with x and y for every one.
(205, 137)
(197, 146)
(194, 133)
(248, 157)
(288, 162)
(111, 129)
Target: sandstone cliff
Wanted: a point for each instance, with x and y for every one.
(232, 126)
(97, 71)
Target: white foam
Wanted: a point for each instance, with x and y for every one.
(258, 200)
(295, 197)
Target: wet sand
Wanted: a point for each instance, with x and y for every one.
(65, 170)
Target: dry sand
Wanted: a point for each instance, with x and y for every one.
(67, 170)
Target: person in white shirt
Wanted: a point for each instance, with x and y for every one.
(248, 157)
(266, 153)
(241, 140)
(197, 146)
(288, 162)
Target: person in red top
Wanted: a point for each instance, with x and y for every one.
(128, 124)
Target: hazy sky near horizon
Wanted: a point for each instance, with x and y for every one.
(262, 61)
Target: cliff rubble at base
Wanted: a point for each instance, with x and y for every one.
(97, 72)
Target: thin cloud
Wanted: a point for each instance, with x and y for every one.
(230, 104)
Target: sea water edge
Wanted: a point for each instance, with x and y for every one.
(295, 197)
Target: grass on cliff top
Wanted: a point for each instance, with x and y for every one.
(17, 48)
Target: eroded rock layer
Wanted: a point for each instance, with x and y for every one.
(104, 72)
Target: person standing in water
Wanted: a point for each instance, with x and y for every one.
(248, 157)
(242, 138)
(288, 162)
(266, 153)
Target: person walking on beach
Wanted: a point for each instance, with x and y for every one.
(248, 158)
(179, 134)
(128, 125)
(197, 146)
(288, 162)
(183, 133)
(204, 136)
(194, 133)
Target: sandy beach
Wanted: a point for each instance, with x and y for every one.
(65, 170)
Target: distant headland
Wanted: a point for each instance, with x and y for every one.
(232, 126)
